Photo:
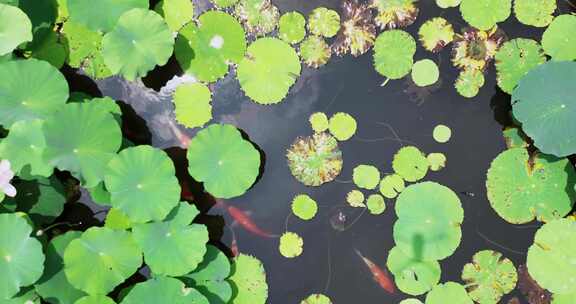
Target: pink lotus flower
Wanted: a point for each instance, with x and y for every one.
(6, 176)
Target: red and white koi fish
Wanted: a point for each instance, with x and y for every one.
(378, 274)
(234, 245)
(183, 139)
(244, 220)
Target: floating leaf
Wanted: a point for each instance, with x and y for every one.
(342, 126)
(192, 105)
(410, 163)
(316, 299)
(31, 89)
(437, 161)
(450, 290)
(304, 207)
(177, 13)
(557, 41)
(315, 160)
(21, 257)
(269, 70)
(411, 301)
(425, 73)
(366, 176)
(249, 278)
(140, 40)
(484, 14)
(24, 147)
(543, 104)
(448, 3)
(474, 49)
(210, 276)
(375, 204)
(357, 34)
(205, 50)
(15, 28)
(291, 245)
(489, 277)
(435, 34)
(442, 133)
(394, 53)
(224, 3)
(355, 198)
(535, 12)
(391, 185)
(163, 290)
(469, 83)
(314, 51)
(91, 14)
(292, 27)
(259, 17)
(515, 138)
(395, 13)
(52, 49)
(522, 188)
(116, 219)
(564, 299)
(412, 276)
(515, 59)
(219, 157)
(324, 22)
(99, 299)
(319, 122)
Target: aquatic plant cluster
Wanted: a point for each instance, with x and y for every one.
(59, 147)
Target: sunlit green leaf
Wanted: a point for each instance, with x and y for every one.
(292, 27)
(515, 59)
(355, 198)
(412, 276)
(176, 12)
(319, 122)
(163, 290)
(324, 22)
(484, 14)
(535, 12)
(315, 160)
(15, 28)
(315, 52)
(342, 126)
(249, 279)
(304, 207)
(394, 53)
(425, 73)
(391, 185)
(91, 14)
(192, 105)
(259, 17)
(489, 276)
(435, 34)
(291, 245)
(376, 204)
(450, 291)
(410, 163)
(366, 176)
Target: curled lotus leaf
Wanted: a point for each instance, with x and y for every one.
(249, 278)
(557, 41)
(515, 59)
(177, 13)
(163, 290)
(410, 163)
(315, 52)
(437, 161)
(395, 13)
(474, 49)
(537, 13)
(489, 277)
(304, 207)
(355, 198)
(391, 185)
(448, 3)
(375, 204)
(522, 188)
(324, 22)
(319, 122)
(315, 160)
(435, 34)
(342, 126)
(358, 32)
(469, 83)
(366, 176)
(15, 28)
(192, 105)
(97, 299)
(291, 245)
(450, 290)
(292, 27)
(425, 72)
(259, 17)
(412, 276)
(316, 299)
(484, 14)
(89, 13)
(394, 53)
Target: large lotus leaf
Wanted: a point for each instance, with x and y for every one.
(101, 259)
(394, 53)
(163, 290)
(205, 50)
(410, 163)
(259, 17)
(53, 286)
(292, 27)
(557, 40)
(176, 12)
(451, 292)
(98, 299)
(140, 40)
(24, 147)
(210, 276)
(429, 219)
(21, 257)
(142, 183)
(30, 89)
(412, 276)
(192, 105)
(91, 13)
(268, 71)
(489, 276)
(535, 12)
(522, 188)
(551, 257)
(183, 214)
(219, 157)
(515, 59)
(484, 14)
(15, 28)
(324, 22)
(82, 138)
(249, 279)
(316, 299)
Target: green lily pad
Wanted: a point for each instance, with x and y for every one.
(355, 198)
(324, 22)
(515, 138)
(304, 207)
(90, 14)
(163, 290)
(52, 49)
(26, 295)
(442, 133)
(15, 28)
(219, 157)
(192, 105)
(206, 49)
(391, 185)
(412, 276)
(435, 34)
(268, 71)
(183, 214)
(98, 299)
(543, 104)
(83, 44)
(395, 13)
(394, 53)
(515, 59)
(177, 13)
(342, 126)
(140, 40)
(537, 13)
(316, 299)
(142, 183)
(425, 73)
(116, 219)
(469, 83)
(292, 27)
(82, 138)
(366, 176)
(31, 89)
(437, 161)
(448, 3)
(376, 204)
(259, 17)
(450, 290)
(210, 276)
(319, 122)
(484, 14)
(564, 299)
(113, 254)
(557, 41)
(523, 188)
(24, 147)
(249, 278)
(411, 301)
(489, 277)
(315, 52)
(21, 256)
(224, 3)
(410, 163)
(291, 245)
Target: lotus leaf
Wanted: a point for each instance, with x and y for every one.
(316, 299)
(142, 183)
(205, 50)
(410, 163)
(535, 12)
(435, 34)
(319, 122)
(564, 299)
(315, 160)
(315, 52)
(210, 276)
(551, 257)
(100, 195)
(116, 219)
(375, 204)
(31, 89)
(249, 278)
(268, 71)
(224, 3)
(192, 105)
(489, 276)
(24, 147)
(176, 12)
(425, 73)
(342, 126)
(98, 299)
(355, 198)
(450, 290)
(395, 13)
(469, 83)
(515, 59)
(515, 138)
(163, 290)
(557, 41)
(429, 218)
(437, 161)
(442, 133)
(523, 187)
(411, 301)
(448, 3)
(358, 32)
(484, 14)
(183, 214)
(324, 22)
(292, 27)
(259, 17)
(291, 245)
(6, 58)
(140, 40)
(394, 53)
(219, 157)
(304, 207)
(412, 276)
(366, 176)
(21, 257)
(52, 49)
(15, 28)
(26, 296)
(90, 13)
(391, 185)
(82, 138)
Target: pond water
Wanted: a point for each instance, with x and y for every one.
(329, 264)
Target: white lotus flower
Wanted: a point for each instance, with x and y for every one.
(6, 176)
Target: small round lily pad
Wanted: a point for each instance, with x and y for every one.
(292, 27)
(450, 290)
(316, 299)
(489, 276)
(395, 14)
(291, 245)
(355, 198)
(412, 276)
(436, 160)
(391, 185)
(394, 53)
(557, 40)
(425, 73)
(375, 204)
(192, 105)
(315, 52)
(448, 3)
(484, 14)
(324, 22)
(442, 133)
(410, 163)
(469, 83)
(304, 207)
(319, 122)
(315, 160)
(537, 13)
(259, 17)
(435, 34)
(366, 176)
(342, 126)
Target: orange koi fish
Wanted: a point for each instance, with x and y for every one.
(183, 139)
(244, 220)
(234, 245)
(379, 275)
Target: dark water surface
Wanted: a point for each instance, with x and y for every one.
(347, 85)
